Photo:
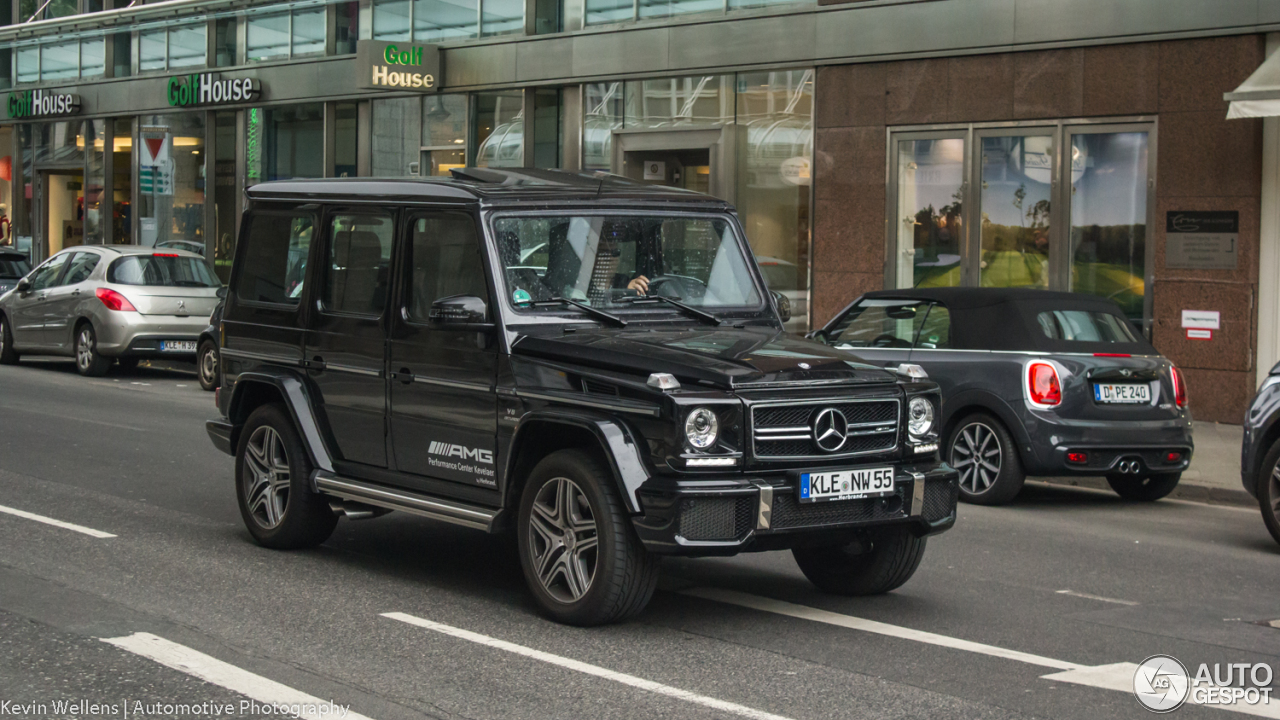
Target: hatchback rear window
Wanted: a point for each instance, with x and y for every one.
(1085, 326)
(13, 268)
(162, 271)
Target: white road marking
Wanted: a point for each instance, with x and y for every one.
(1119, 676)
(1099, 598)
(587, 668)
(56, 523)
(212, 670)
(805, 612)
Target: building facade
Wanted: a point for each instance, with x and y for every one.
(1079, 145)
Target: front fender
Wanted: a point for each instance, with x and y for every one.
(617, 442)
(986, 400)
(292, 391)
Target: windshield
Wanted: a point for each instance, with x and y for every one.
(13, 268)
(162, 271)
(611, 261)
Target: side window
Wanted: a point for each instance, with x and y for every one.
(47, 274)
(81, 268)
(275, 261)
(445, 261)
(879, 323)
(935, 333)
(359, 263)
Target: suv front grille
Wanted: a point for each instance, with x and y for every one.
(786, 432)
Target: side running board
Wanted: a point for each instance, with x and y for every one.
(450, 511)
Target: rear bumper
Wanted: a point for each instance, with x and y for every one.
(1108, 445)
(222, 433)
(133, 334)
(732, 515)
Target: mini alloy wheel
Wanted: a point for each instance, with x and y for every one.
(563, 540)
(1268, 491)
(983, 452)
(266, 477)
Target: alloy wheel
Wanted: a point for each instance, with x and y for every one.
(976, 455)
(266, 477)
(563, 540)
(209, 367)
(84, 348)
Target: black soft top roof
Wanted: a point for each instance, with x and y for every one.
(487, 186)
(1006, 318)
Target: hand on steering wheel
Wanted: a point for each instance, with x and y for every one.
(640, 284)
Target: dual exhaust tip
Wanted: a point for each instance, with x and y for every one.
(1130, 467)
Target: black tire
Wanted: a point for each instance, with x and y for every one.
(622, 573)
(300, 519)
(978, 483)
(207, 365)
(127, 363)
(89, 362)
(1144, 488)
(1269, 491)
(8, 355)
(883, 560)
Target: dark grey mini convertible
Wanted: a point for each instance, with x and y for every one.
(1034, 383)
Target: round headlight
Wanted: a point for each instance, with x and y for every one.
(919, 416)
(700, 428)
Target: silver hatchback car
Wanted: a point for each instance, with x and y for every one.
(100, 303)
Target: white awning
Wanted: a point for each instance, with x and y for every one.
(1259, 96)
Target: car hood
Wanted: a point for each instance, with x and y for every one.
(734, 357)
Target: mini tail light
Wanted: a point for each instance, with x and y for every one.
(1043, 385)
(165, 255)
(1173, 457)
(1077, 458)
(115, 301)
(1112, 355)
(1179, 387)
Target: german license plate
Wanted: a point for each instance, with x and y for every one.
(178, 346)
(1127, 394)
(846, 484)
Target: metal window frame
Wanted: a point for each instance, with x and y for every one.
(1060, 130)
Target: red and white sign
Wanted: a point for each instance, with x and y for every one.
(1199, 334)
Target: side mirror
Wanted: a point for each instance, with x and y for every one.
(783, 305)
(24, 285)
(460, 312)
(222, 293)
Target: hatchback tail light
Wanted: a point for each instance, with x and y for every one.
(1179, 387)
(115, 301)
(165, 255)
(1042, 384)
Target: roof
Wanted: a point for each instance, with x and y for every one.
(968, 297)
(485, 185)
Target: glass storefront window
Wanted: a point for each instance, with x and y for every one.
(122, 55)
(438, 20)
(667, 8)
(347, 28)
(282, 142)
(345, 139)
(1016, 177)
(94, 198)
(187, 46)
(600, 12)
(122, 181)
(391, 20)
(224, 42)
(267, 37)
(59, 61)
(153, 47)
(171, 178)
(28, 59)
(546, 127)
(680, 102)
(308, 32)
(602, 114)
(1109, 217)
(503, 17)
(225, 193)
(611, 11)
(396, 136)
(93, 58)
(444, 134)
(61, 8)
(928, 228)
(499, 129)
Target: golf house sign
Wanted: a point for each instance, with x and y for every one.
(41, 103)
(211, 89)
(384, 65)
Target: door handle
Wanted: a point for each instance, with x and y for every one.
(405, 376)
(317, 363)
(75, 292)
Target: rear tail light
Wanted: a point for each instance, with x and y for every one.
(1179, 387)
(1112, 355)
(165, 255)
(115, 301)
(1042, 384)
(1173, 457)
(1077, 458)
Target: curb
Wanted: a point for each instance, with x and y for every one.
(1189, 491)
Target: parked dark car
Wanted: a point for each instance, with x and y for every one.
(1033, 383)
(13, 267)
(207, 352)
(481, 351)
(1260, 451)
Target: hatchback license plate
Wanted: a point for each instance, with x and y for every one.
(846, 484)
(1121, 394)
(178, 346)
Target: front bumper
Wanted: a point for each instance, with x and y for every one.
(726, 516)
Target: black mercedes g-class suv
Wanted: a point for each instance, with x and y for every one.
(593, 362)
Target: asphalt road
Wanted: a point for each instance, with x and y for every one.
(201, 621)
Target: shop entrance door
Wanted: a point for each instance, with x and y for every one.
(63, 209)
(699, 160)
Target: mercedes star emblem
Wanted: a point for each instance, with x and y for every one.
(829, 429)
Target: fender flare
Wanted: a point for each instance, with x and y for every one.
(993, 404)
(296, 399)
(616, 441)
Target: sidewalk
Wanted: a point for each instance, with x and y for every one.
(1214, 475)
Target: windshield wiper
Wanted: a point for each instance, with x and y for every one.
(704, 316)
(595, 312)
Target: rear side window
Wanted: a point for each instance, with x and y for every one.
(935, 333)
(880, 324)
(359, 262)
(274, 267)
(162, 271)
(81, 268)
(13, 268)
(1085, 326)
(446, 262)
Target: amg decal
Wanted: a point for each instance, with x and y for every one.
(460, 451)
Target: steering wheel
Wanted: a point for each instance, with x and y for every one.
(677, 286)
